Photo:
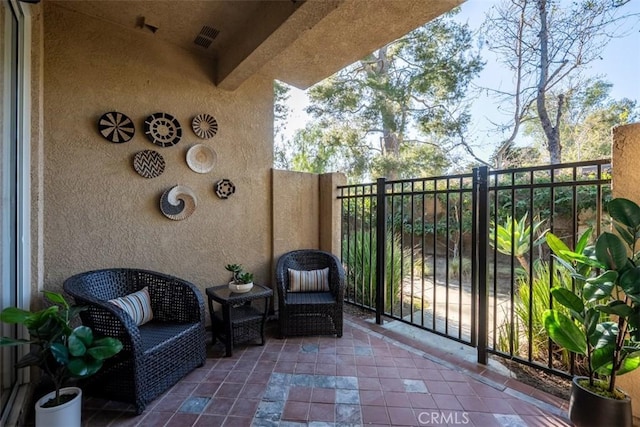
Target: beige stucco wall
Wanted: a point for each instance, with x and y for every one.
(625, 153)
(296, 199)
(331, 212)
(98, 211)
(306, 211)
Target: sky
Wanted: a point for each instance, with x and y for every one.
(620, 65)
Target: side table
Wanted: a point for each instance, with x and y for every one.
(239, 320)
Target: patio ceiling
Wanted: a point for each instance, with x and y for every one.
(296, 41)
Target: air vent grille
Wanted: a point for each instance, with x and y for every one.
(206, 36)
(209, 32)
(203, 41)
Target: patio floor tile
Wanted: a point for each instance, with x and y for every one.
(371, 376)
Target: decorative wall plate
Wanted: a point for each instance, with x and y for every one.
(201, 158)
(148, 163)
(204, 125)
(163, 129)
(178, 202)
(116, 127)
(225, 188)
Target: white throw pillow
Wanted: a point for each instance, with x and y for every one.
(137, 305)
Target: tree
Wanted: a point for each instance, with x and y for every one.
(546, 44)
(404, 102)
(585, 127)
(280, 113)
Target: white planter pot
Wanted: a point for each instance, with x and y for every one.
(68, 414)
(240, 288)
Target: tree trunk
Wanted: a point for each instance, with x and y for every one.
(390, 137)
(552, 133)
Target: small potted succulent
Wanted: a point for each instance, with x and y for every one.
(241, 281)
(62, 352)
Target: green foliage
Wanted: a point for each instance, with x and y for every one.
(379, 102)
(359, 255)
(585, 126)
(514, 238)
(605, 304)
(539, 203)
(239, 275)
(61, 351)
(457, 269)
(531, 301)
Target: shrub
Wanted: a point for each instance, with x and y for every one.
(359, 257)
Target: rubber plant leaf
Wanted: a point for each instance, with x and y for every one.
(600, 287)
(564, 332)
(567, 298)
(625, 212)
(611, 251)
(104, 348)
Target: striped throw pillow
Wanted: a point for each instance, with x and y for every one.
(309, 280)
(137, 305)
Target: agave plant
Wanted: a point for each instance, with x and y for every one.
(514, 238)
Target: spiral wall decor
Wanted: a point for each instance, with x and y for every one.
(178, 202)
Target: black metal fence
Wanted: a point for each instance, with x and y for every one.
(463, 256)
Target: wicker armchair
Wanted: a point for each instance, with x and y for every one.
(157, 354)
(310, 313)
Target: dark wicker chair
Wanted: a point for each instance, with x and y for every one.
(310, 313)
(157, 354)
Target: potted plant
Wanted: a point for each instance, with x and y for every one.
(604, 321)
(241, 281)
(62, 352)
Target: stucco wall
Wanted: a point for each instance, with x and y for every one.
(306, 211)
(296, 199)
(98, 211)
(625, 153)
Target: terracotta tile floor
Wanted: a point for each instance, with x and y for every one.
(370, 376)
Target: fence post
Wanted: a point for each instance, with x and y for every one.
(381, 247)
(481, 185)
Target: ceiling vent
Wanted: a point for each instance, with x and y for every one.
(206, 36)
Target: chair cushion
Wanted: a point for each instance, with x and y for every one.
(309, 280)
(137, 305)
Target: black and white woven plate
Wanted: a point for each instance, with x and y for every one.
(225, 188)
(204, 125)
(116, 127)
(163, 129)
(148, 163)
(178, 202)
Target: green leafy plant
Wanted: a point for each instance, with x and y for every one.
(239, 275)
(530, 301)
(605, 304)
(62, 352)
(359, 255)
(514, 238)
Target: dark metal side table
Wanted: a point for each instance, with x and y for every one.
(239, 320)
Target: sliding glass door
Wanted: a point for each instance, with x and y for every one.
(13, 224)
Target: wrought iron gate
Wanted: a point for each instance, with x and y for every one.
(457, 255)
